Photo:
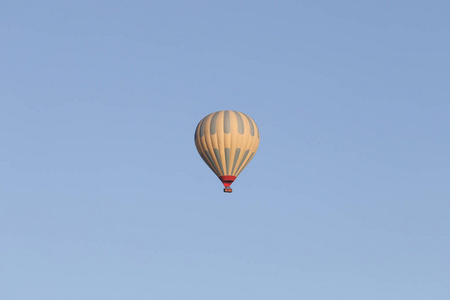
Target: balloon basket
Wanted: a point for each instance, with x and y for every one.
(227, 190)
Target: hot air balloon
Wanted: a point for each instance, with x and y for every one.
(227, 141)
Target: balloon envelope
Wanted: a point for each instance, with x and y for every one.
(227, 141)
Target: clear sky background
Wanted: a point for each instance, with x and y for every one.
(103, 194)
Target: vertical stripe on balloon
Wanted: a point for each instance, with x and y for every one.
(236, 156)
(213, 126)
(212, 162)
(219, 159)
(240, 122)
(242, 161)
(248, 161)
(226, 122)
(208, 163)
(202, 127)
(252, 129)
(227, 160)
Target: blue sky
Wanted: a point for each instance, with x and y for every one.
(102, 192)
